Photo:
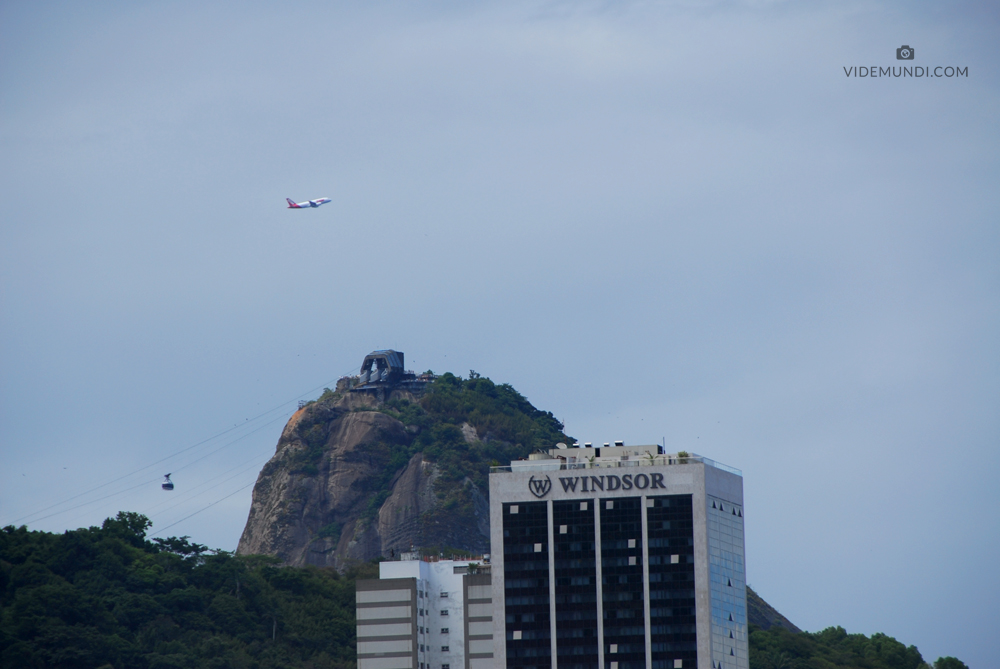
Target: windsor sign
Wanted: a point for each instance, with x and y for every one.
(593, 484)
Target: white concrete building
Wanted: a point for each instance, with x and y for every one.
(618, 558)
(426, 615)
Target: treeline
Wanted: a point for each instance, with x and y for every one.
(108, 597)
(834, 648)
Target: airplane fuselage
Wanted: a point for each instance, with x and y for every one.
(308, 204)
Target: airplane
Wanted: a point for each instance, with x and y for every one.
(307, 204)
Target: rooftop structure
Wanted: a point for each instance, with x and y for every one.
(589, 457)
(382, 371)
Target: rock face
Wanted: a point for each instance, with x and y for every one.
(334, 492)
(765, 616)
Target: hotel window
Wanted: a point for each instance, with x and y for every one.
(445, 612)
(444, 630)
(444, 649)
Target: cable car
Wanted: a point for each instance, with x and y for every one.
(167, 483)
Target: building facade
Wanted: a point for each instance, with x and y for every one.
(426, 615)
(618, 558)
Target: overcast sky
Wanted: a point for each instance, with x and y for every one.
(671, 221)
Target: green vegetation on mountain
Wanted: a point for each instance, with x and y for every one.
(507, 425)
(106, 597)
(834, 648)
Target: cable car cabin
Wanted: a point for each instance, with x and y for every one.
(167, 483)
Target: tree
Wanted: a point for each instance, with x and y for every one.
(949, 663)
(129, 526)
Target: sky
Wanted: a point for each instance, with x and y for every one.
(676, 222)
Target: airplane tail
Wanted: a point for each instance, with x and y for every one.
(291, 205)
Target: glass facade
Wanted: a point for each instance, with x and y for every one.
(576, 584)
(526, 585)
(621, 581)
(726, 573)
(670, 526)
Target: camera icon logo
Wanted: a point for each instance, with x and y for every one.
(904, 53)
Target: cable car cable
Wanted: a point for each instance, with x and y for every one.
(94, 501)
(189, 491)
(238, 439)
(243, 468)
(144, 483)
(202, 509)
(183, 450)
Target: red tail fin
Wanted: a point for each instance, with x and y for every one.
(291, 205)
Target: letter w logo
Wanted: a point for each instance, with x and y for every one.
(538, 487)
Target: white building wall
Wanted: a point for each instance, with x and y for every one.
(440, 612)
(386, 615)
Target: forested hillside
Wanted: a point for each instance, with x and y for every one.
(106, 597)
(779, 648)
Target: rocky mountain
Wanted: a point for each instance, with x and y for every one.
(357, 475)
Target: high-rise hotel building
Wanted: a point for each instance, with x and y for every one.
(618, 558)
